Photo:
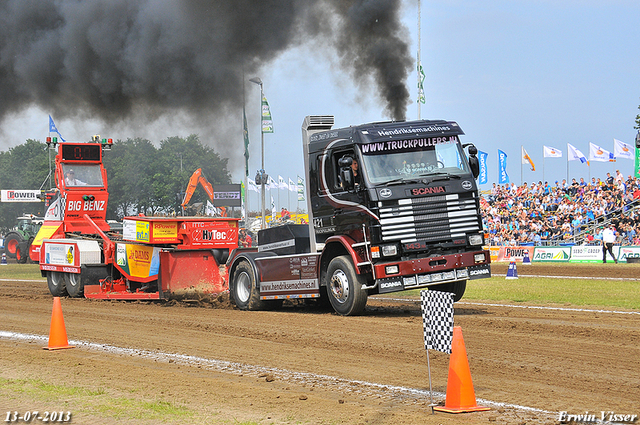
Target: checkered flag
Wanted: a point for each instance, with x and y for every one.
(437, 318)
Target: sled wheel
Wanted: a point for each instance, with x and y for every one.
(55, 281)
(74, 284)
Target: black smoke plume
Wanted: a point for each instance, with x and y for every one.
(114, 58)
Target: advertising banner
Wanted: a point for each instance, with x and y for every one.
(586, 254)
(227, 195)
(624, 252)
(503, 177)
(137, 260)
(20, 195)
(514, 253)
(483, 177)
(549, 254)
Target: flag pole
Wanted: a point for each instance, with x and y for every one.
(567, 179)
(431, 404)
(419, 42)
(521, 165)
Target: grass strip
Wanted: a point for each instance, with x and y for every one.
(539, 290)
(94, 402)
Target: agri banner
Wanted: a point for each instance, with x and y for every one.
(513, 253)
(586, 254)
(551, 254)
(624, 252)
(20, 196)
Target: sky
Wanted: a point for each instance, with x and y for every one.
(512, 74)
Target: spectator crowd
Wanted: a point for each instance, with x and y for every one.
(542, 214)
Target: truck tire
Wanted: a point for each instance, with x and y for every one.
(74, 284)
(244, 289)
(457, 288)
(55, 281)
(11, 243)
(22, 253)
(344, 287)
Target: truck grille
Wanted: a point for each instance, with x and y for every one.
(431, 219)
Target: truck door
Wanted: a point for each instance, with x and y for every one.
(347, 199)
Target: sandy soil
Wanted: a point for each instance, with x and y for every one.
(216, 364)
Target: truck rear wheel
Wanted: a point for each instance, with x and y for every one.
(74, 284)
(344, 287)
(244, 289)
(55, 281)
(457, 288)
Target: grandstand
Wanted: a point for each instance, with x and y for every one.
(562, 214)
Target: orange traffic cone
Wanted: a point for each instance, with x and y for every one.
(460, 394)
(57, 332)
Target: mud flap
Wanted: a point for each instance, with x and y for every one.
(479, 272)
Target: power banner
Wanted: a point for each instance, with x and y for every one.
(20, 196)
(512, 253)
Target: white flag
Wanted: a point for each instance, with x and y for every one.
(292, 186)
(273, 209)
(211, 210)
(272, 184)
(282, 184)
(574, 154)
(252, 185)
(596, 153)
(526, 159)
(622, 150)
(550, 152)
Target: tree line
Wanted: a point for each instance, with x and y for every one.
(142, 178)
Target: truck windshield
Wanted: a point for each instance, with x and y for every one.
(443, 158)
(82, 175)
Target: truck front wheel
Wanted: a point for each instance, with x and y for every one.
(344, 287)
(244, 289)
(457, 288)
(55, 281)
(74, 284)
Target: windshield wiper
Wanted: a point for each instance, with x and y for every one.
(400, 181)
(441, 176)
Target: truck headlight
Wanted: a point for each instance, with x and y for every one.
(475, 240)
(389, 250)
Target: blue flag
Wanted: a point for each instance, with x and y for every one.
(53, 129)
(503, 177)
(482, 156)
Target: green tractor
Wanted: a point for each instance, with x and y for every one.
(18, 240)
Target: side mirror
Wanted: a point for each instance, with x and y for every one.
(474, 162)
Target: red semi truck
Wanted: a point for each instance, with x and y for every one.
(405, 216)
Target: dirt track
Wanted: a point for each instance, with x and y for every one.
(300, 366)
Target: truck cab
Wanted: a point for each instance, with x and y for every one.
(392, 206)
